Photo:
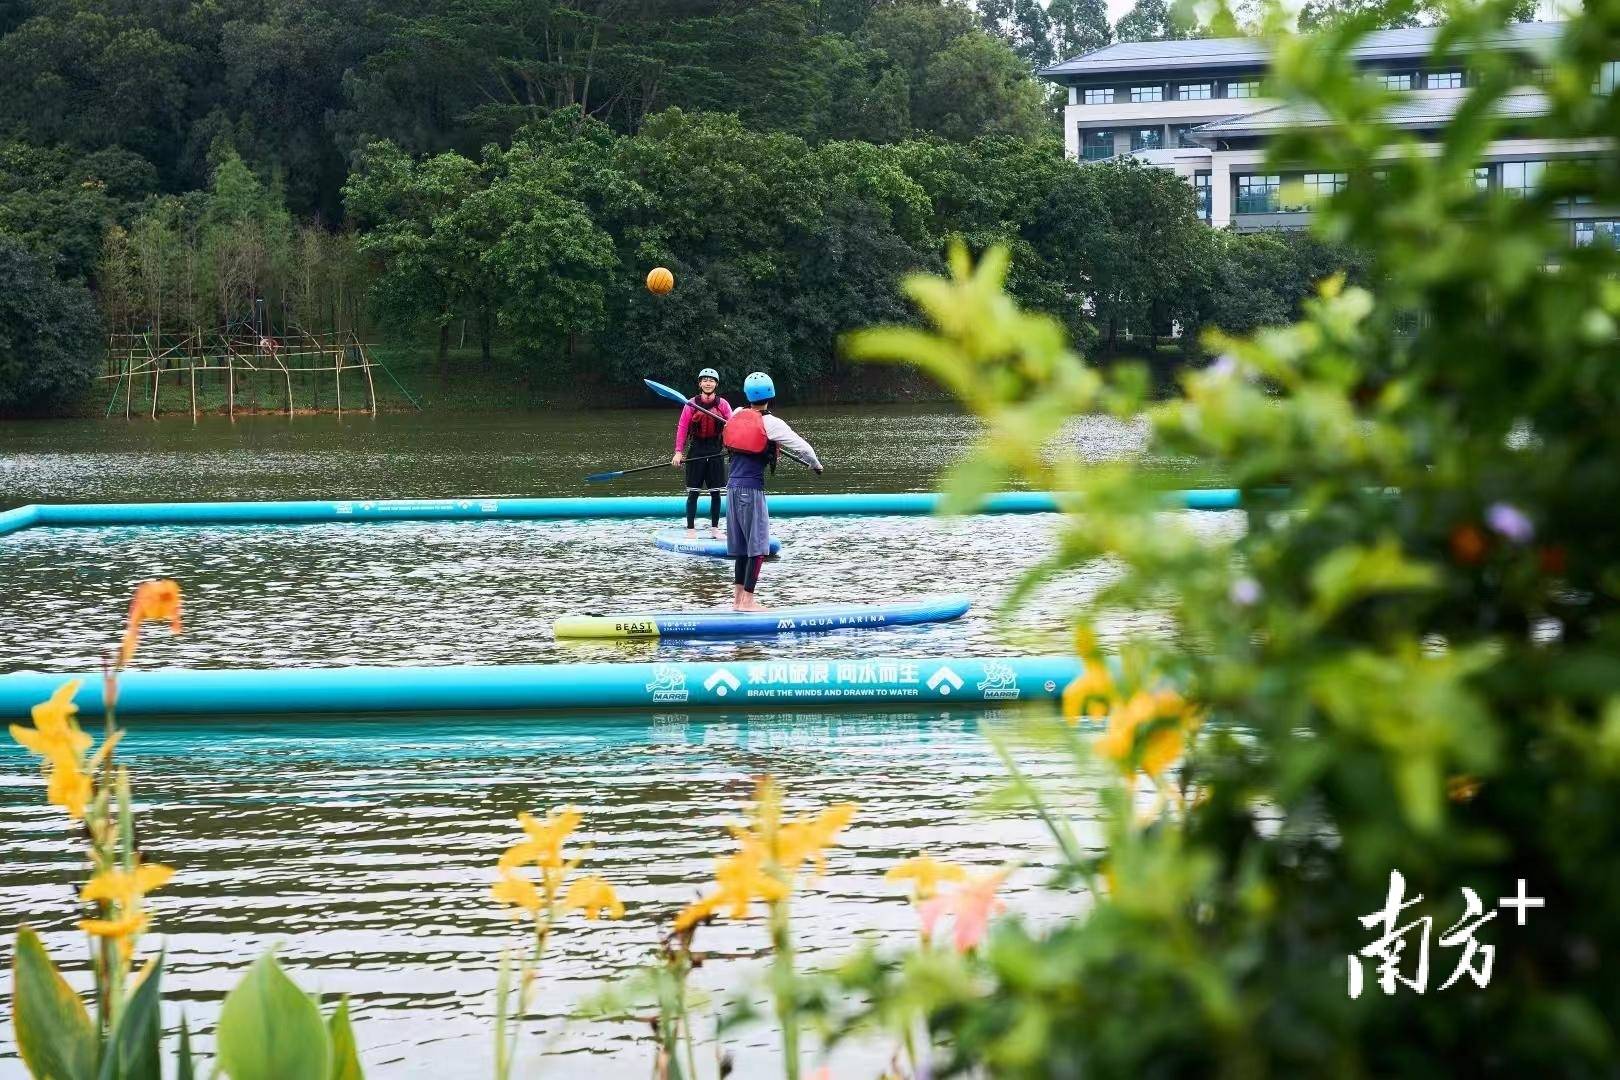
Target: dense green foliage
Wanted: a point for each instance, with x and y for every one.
(1405, 662)
(49, 335)
(508, 172)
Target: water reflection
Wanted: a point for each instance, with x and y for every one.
(436, 455)
(487, 592)
(363, 847)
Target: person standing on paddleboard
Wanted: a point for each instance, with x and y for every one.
(697, 443)
(752, 436)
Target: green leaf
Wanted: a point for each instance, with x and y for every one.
(345, 1055)
(54, 1035)
(184, 1068)
(269, 1029)
(132, 1053)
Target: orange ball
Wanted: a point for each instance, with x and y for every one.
(660, 280)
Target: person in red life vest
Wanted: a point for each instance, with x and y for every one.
(697, 443)
(752, 436)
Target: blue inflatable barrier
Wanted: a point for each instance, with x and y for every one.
(489, 509)
(20, 518)
(658, 687)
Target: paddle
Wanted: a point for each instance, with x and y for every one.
(675, 395)
(598, 477)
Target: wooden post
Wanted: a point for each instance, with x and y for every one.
(338, 378)
(193, 370)
(230, 386)
(129, 384)
(371, 385)
(287, 373)
(157, 376)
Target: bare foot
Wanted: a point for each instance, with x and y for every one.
(719, 533)
(754, 607)
(691, 534)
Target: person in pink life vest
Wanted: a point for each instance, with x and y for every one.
(752, 436)
(697, 443)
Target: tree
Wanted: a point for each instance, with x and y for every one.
(977, 86)
(1077, 27)
(50, 336)
(1152, 20)
(408, 209)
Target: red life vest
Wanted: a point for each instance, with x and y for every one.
(703, 424)
(745, 432)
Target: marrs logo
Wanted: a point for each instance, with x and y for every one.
(668, 683)
(1000, 682)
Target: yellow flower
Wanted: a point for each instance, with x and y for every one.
(126, 926)
(926, 874)
(120, 887)
(1170, 719)
(742, 879)
(1090, 694)
(807, 838)
(69, 788)
(1161, 749)
(694, 913)
(55, 735)
(592, 896)
(544, 846)
(517, 891)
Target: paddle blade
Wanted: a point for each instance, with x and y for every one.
(599, 477)
(665, 391)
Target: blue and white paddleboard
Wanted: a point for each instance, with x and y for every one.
(676, 540)
(818, 619)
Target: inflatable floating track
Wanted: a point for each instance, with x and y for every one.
(897, 681)
(677, 541)
(820, 619)
(479, 508)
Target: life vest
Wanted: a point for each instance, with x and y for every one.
(745, 434)
(703, 425)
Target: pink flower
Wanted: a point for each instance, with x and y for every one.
(971, 904)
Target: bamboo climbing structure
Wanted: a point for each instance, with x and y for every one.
(236, 355)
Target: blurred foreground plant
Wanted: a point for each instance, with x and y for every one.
(268, 1028)
(1406, 660)
(543, 900)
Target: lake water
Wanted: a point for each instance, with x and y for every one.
(363, 847)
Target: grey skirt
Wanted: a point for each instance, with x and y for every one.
(748, 523)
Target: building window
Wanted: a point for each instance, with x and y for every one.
(1520, 178)
(1147, 93)
(1181, 135)
(1444, 80)
(1246, 88)
(1147, 138)
(1258, 193)
(1099, 95)
(1403, 81)
(1482, 177)
(1202, 91)
(1096, 145)
(1588, 233)
(1608, 78)
(1323, 185)
(1203, 192)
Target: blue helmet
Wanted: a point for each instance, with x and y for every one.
(759, 387)
(709, 373)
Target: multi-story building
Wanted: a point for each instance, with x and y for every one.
(1195, 107)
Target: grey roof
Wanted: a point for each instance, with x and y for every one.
(1130, 56)
(1417, 110)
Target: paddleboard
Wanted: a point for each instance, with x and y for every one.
(676, 540)
(817, 619)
